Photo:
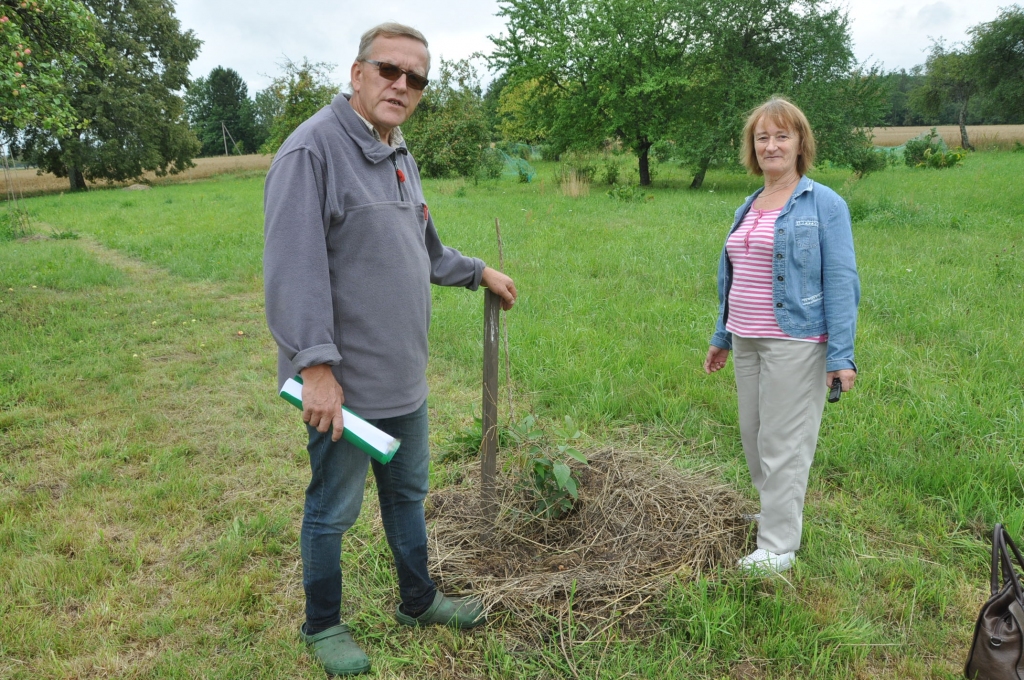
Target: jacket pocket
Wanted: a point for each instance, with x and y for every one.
(808, 257)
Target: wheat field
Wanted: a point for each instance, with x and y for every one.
(29, 182)
(981, 136)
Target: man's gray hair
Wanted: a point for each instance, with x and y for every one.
(390, 29)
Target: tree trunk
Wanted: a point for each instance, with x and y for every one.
(698, 179)
(76, 179)
(964, 142)
(645, 167)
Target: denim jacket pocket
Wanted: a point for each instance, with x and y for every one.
(808, 255)
(806, 230)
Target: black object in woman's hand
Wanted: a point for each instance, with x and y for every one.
(836, 390)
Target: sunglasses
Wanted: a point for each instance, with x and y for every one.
(393, 73)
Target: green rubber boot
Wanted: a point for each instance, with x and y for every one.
(457, 612)
(337, 651)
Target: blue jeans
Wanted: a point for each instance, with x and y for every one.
(334, 498)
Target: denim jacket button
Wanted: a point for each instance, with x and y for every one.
(778, 256)
(778, 304)
(782, 231)
(782, 278)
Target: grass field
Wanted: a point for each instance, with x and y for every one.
(982, 137)
(151, 481)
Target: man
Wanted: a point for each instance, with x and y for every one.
(350, 253)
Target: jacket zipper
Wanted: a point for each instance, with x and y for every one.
(398, 176)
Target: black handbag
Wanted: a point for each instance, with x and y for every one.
(997, 652)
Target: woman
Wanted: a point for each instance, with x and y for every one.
(788, 293)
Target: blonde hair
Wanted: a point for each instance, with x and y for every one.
(788, 116)
(390, 29)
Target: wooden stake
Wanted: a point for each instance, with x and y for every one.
(489, 445)
(508, 359)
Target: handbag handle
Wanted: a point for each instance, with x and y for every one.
(1001, 555)
(1009, 541)
(997, 551)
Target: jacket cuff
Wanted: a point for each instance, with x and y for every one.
(314, 356)
(722, 340)
(839, 365)
(478, 273)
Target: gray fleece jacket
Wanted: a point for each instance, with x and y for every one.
(350, 251)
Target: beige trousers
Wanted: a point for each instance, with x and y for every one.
(780, 386)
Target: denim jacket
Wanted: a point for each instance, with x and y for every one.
(815, 287)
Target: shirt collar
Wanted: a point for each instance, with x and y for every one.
(396, 140)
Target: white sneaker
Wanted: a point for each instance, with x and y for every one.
(767, 562)
(756, 517)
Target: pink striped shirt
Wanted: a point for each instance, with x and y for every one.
(750, 249)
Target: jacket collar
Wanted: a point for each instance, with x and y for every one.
(374, 150)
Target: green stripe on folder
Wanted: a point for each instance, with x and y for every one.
(373, 441)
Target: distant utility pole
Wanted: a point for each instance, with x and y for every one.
(224, 134)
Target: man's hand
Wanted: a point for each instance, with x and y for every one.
(846, 376)
(715, 360)
(322, 398)
(500, 285)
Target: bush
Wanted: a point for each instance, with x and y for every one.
(866, 159)
(629, 193)
(449, 133)
(940, 159)
(1018, 147)
(14, 224)
(549, 153)
(913, 151)
(490, 165)
(449, 145)
(929, 151)
(611, 170)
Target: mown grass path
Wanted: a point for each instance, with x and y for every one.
(151, 481)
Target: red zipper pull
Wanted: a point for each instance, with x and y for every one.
(401, 175)
(425, 214)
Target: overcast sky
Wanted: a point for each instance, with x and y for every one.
(255, 36)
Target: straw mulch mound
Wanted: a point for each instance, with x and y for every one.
(639, 524)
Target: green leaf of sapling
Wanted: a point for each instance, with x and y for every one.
(570, 486)
(577, 455)
(562, 474)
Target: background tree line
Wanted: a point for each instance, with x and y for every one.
(99, 89)
(979, 82)
(226, 121)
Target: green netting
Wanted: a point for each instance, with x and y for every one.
(517, 167)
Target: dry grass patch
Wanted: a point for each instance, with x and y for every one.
(575, 184)
(29, 182)
(639, 525)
